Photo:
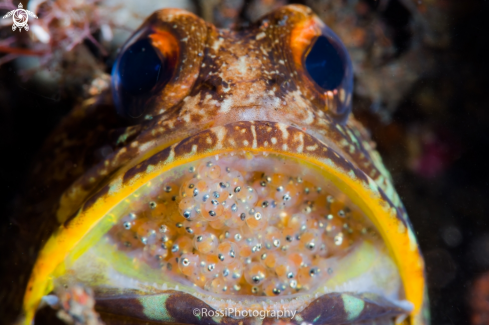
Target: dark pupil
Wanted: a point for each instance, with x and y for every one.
(140, 68)
(324, 64)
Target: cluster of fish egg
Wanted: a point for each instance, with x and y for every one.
(230, 231)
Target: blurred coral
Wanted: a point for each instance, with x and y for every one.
(479, 300)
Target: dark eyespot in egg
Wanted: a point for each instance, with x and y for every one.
(138, 73)
(325, 64)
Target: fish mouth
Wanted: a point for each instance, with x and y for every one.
(247, 216)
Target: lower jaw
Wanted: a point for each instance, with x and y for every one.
(175, 307)
(361, 267)
(362, 298)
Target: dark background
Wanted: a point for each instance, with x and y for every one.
(446, 194)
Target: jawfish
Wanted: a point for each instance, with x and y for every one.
(224, 170)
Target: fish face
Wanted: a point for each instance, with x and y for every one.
(246, 185)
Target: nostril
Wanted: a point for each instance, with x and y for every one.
(271, 81)
(209, 85)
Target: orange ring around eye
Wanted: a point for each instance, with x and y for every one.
(168, 46)
(301, 37)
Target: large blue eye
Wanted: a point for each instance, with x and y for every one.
(140, 68)
(325, 65)
(139, 72)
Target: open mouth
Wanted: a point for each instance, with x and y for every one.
(209, 222)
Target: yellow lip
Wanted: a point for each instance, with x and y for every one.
(365, 194)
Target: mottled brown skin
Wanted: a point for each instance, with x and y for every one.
(222, 77)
